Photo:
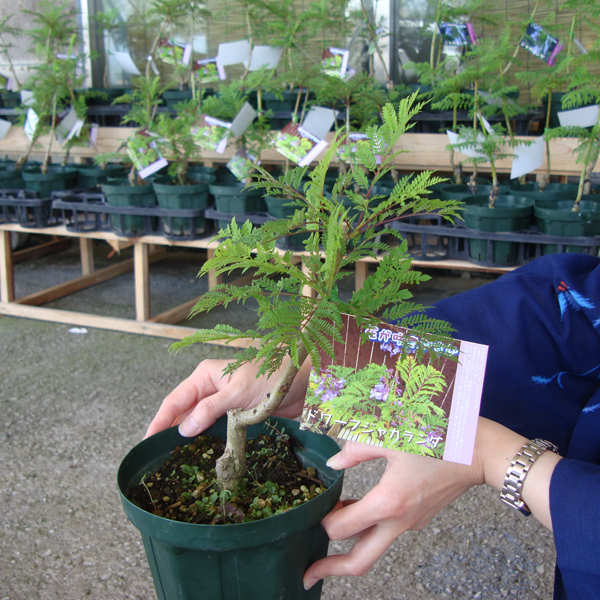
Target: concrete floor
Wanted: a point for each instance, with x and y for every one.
(73, 404)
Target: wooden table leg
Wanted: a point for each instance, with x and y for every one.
(87, 256)
(142, 281)
(361, 272)
(7, 277)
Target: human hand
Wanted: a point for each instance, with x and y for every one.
(198, 401)
(410, 493)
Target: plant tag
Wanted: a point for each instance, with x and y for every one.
(4, 127)
(208, 70)
(473, 151)
(126, 63)
(335, 62)
(172, 53)
(586, 116)
(211, 133)
(528, 158)
(30, 124)
(264, 56)
(540, 43)
(242, 164)
(319, 121)
(69, 127)
(144, 154)
(377, 392)
(27, 98)
(347, 152)
(243, 120)
(233, 53)
(93, 134)
(298, 144)
(457, 34)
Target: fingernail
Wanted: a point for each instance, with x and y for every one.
(308, 583)
(334, 461)
(189, 428)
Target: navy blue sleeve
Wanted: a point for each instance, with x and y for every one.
(542, 325)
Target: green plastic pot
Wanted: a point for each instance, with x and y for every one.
(552, 191)
(199, 172)
(558, 218)
(172, 97)
(510, 213)
(10, 99)
(183, 197)
(55, 180)
(89, 176)
(11, 179)
(233, 198)
(279, 207)
(121, 193)
(261, 560)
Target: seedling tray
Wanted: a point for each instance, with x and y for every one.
(88, 211)
(450, 242)
(27, 209)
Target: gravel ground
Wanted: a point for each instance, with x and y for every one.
(72, 405)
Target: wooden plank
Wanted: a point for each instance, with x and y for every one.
(175, 332)
(40, 250)
(7, 280)
(142, 281)
(86, 252)
(175, 315)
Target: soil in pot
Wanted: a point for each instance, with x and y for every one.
(183, 197)
(185, 488)
(558, 218)
(121, 193)
(204, 562)
(510, 213)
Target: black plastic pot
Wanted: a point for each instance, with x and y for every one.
(261, 560)
(55, 180)
(558, 218)
(121, 193)
(510, 213)
(551, 192)
(89, 176)
(10, 99)
(182, 197)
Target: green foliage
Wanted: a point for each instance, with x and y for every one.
(339, 234)
(144, 99)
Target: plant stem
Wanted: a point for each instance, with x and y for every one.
(231, 467)
(12, 67)
(510, 62)
(52, 129)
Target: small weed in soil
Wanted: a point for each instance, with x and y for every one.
(185, 487)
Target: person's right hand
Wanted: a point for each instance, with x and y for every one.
(198, 401)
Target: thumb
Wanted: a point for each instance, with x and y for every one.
(355, 453)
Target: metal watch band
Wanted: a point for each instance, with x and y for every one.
(516, 473)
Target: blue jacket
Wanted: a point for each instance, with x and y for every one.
(542, 325)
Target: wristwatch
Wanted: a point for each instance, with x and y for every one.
(516, 473)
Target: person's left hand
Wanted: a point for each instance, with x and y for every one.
(411, 492)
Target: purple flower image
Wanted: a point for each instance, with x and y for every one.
(390, 347)
(328, 387)
(381, 391)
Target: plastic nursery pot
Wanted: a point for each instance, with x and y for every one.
(198, 172)
(460, 191)
(279, 207)
(558, 218)
(56, 179)
(11, 179)
(172, 97)
(121, 193)
(233, 198)
(10, 99)
(552, 191)
(510, 213)
(260, 560)
(89, 176)
(182, 197)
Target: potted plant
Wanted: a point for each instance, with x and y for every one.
(185, 190)
(293, 326)
(55, 79)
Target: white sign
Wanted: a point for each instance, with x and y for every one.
(587, 116)
(527, 158)
(233, 53)
(126, 62)
(319, 121)
(264, 56)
